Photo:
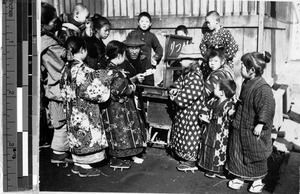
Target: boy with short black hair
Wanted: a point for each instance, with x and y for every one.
(150, 39)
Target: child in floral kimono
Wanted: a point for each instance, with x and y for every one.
(213, 147)
(217, 37)
(124, 128)
(83, 89)
(188, 94)
(250, 142)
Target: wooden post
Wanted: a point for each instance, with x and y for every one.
(261, 23)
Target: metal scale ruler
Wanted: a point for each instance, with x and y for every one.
(19, 64)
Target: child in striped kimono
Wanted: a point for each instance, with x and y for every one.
(250, 142)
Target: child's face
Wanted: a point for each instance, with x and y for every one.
(215, 63)
(211, 22)
(103, 33)
(81, 16)
(185, 63)
(144, 23)
(245, 73)
(181, 33)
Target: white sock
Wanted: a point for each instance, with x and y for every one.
(257, 182)
(137, 160)
(58, 152)
(85, 166)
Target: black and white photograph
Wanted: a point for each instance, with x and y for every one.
(150, 96)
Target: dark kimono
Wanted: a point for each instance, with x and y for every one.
(214, 139)
(140, 65)
(83, 89)
(223, 38)
(185, 134)
(248, 153)
(96, 52)
(125, 131)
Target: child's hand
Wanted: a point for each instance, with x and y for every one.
(140, 77)
(173, 93)
(153, 62)
(257, 130)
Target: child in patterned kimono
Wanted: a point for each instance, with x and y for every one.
(125, 131)
(217, 37)
(250, 142)
(83, 89)
(213, 147)
(73, 24)
(188, 95)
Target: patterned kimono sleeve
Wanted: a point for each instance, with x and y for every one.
(191, 91)
(210, 83)
(119, 85)
(91, 87)
(203, 46)
(231, 46)
(264, 105)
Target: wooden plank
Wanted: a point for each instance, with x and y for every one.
(123, 8)
(165, 7)
(211, 6)
(250, 40)
(110, 8)
(203, 7)
(228, 7)
(61, 7)
(79, 1)
(144, 5)
(173, 7)
(237, 7)
(130, 8)
(196, 8)
(195, 22)
(105, 8)
(73, 3)
(98, 7)
(151, 7)
(219, 7)
(158, 7)
(137, 7)
(267, 46)
(187, 8)
(56, 6)
(261, 21)
(245, 8)
(180, 7)
(252, 7)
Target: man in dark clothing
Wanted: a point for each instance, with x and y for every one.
(136, 65)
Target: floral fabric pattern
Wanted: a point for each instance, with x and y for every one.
(82, 89)
(125, 131)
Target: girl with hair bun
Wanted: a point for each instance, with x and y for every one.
(83, 90)
(100, 27)
(125, 131)
(250, 142)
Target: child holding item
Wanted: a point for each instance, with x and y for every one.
(217, 37)
(73, 24)
(125, 131)
(187, 93)
(83, 89)
(250, 142)
(213, 147)
(150, 39)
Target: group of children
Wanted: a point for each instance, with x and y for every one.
(93, 111)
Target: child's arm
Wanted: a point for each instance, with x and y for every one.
(203, 46)
(156, 46)
(264, 106)
(231, 46)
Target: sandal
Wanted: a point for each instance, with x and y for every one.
(235, 184)
(185, 168)
(256, 188)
